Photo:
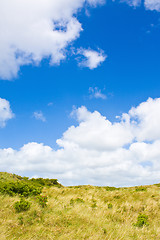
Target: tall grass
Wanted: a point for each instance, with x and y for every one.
(83, 213)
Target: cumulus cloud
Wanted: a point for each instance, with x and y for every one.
(145, 120)
(33, 30)
(91, 59)
(97, 151)
(5, 112)
(96, 93)
(39, 116)
(152, 4)
(100, 133)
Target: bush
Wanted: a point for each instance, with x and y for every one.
(20, 220)
(104, 230)
(26, 187)
(110, 205)
(111, 188)
(42, 200)
(94, 205)
(158, 184)
(72, 202)
(77, 200)
(140, 189)
(22, 205)
(20, 187)
(142, 220)
(45, 182)
(117, 197)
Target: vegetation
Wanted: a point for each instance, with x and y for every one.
(20, 187)
(42, 200)
(24, 186)
(22, 205)
(47, 210)
(142, 220)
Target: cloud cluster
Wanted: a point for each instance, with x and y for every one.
(33, 30)
(96, 93)
(5, 112)
(91, 58)
(152, 4)
(148, 4)
(133, 3)
(39, 116)
(97, 151)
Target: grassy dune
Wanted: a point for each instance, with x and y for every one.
(82, 212)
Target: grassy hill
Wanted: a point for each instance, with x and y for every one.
(80, 212)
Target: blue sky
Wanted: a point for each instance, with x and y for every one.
(42, 96)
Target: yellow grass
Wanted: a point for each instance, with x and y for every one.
(83, 213)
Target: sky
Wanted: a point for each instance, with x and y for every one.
(80, 90)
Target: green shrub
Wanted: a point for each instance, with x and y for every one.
(110, 205)
(158, 184)
(142, 220)
(45, 182)
(104, 230)
(25, 178)
(111, 188)
(24, 186)
(22, 205)
(20, 220)
(140, 189)
(17, 177)
(117, 197)
(79, 200)
(20, 187)
(94, 205)
(42, 200)
(72, 202)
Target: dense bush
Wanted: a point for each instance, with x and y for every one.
(42, 200)
(20, 187)
(110, 205)
(45, 182)
(12, 184)
(142, 220)
(22, 205)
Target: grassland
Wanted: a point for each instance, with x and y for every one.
(82, 212)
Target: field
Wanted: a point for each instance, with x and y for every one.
(81, 212)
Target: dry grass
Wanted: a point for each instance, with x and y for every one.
(83, 213)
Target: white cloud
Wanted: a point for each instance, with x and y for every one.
(5, 112)
(133, 3)
(39, 116)
(145, 120)
(96, 93)
(91, 59)
(33, 30)
(148, 4)
(95, 2)
(100, 133)
(50, 104)
(97, 151)
(152, 5)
